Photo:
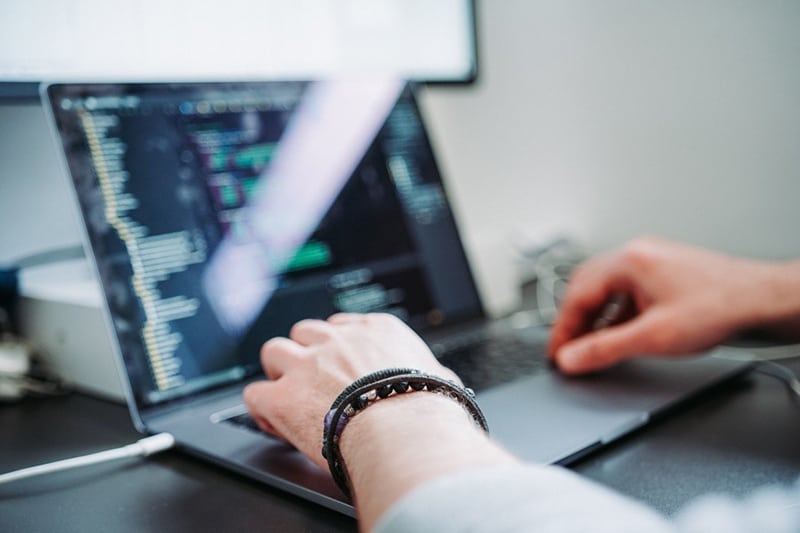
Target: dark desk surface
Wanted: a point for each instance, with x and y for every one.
(734, 439)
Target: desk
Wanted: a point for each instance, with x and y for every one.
(735, 439)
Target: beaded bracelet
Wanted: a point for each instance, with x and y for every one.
(378, 386)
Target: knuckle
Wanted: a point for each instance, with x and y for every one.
(638, 254)
(379, 318)
(320, 328)
(273, 344)
(327, 332)
(250, 394)
(389, 318)
(297, 328)
(247, 394)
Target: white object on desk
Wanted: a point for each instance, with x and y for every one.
(61, 314)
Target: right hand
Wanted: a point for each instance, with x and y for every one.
(308, 370)
(684, 300)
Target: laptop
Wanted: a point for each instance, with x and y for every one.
(219, 214)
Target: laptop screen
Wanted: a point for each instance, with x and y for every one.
(219, 214)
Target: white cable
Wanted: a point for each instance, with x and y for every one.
(784, 373)
(141, 448)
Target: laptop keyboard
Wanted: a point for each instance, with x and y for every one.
(482, 362)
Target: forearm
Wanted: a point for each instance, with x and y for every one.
(775, 300)
(399, 443)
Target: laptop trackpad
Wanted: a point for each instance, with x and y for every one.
(549, 418)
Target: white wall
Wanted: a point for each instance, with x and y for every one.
(37, 212)
(603, 120)
(615, 118)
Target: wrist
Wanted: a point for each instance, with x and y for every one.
(401, 416)
(402, 442)
(377, 386)
(775, 297)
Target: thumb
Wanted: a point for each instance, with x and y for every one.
(605, 347)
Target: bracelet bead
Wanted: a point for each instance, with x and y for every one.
(378, 386)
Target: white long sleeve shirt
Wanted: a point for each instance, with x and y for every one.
(552, 499)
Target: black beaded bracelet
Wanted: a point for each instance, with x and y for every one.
(377, 386)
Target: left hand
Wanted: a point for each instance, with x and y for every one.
(318, 360)
(683, 299)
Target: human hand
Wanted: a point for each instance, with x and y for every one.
(683, 299)
(318, 360)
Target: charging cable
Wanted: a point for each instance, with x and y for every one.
(764, 359)
(141, 448)
(782, 373)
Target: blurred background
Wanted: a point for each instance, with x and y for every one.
(592, 122)
(608, 120)
(598, 121)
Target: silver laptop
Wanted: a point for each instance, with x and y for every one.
(219, 214)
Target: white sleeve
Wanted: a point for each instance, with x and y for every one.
(518, 498)
(768, 510)
(549, 499)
